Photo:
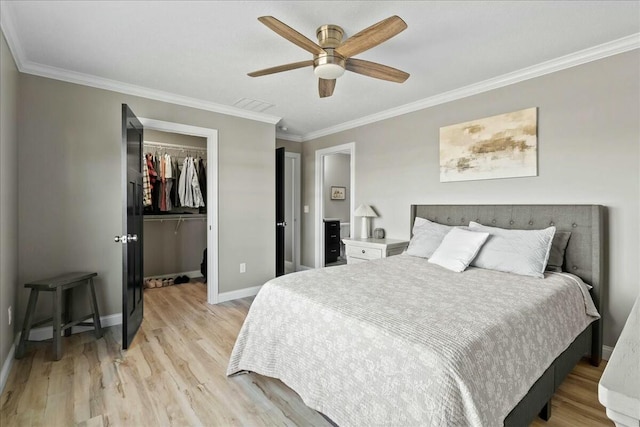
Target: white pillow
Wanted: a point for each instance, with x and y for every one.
(523, 252)
(427, 236)
(458, 248)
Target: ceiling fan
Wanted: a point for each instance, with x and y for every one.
(332, 56)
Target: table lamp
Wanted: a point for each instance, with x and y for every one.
(366, 212)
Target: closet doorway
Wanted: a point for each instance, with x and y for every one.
(325, 212)
(176, 234)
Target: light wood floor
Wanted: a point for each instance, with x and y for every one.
(174, 374)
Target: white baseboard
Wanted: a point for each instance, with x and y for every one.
(191, 274)
(304, 267)
(240, 293)
(606, 352)
(46, 333)
(6, 366)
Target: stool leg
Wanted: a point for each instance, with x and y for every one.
(67, 310)
(96, 313)
(26, 326)
(57, 322)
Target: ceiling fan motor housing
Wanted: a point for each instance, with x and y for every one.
(329, 65)
(329, 36)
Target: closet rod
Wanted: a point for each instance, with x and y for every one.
(173, 146)
(177, 218)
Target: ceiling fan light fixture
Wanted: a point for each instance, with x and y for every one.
(329, 65)
(328, 71)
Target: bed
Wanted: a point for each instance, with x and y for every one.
(368, 344)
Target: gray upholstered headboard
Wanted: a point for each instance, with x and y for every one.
(585, 255)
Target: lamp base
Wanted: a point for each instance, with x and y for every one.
(364, 231)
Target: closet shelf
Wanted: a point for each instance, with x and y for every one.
(175, 217)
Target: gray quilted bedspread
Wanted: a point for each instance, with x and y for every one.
(402, 342)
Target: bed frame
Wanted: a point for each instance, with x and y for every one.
(585, 257)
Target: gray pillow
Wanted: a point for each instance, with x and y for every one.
(558, 248)
(427, 236)
(524, 252)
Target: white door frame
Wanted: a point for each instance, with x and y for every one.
(349, 148)
(212, 193)
(296, 202)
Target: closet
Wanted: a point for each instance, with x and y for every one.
(175, 212)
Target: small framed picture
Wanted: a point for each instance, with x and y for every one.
(338, 193)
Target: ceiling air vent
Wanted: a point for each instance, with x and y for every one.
(252, 105)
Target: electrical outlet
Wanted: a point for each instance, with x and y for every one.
(10, 315)
(306, 208)
(243, 267)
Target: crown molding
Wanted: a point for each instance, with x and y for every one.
(29, 67)
(604, 50)
(289, 137)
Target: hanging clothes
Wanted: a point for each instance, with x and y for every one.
(168, 175)
(198, 201)
(175, 200)
(188, 186)
(202, 180)
(184, 192)
(146, 183)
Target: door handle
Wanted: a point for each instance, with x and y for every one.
(281, 224)
(126, 238)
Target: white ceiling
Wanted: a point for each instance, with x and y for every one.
(201, 52)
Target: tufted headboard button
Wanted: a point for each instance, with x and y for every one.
(511, 222)
(575, 267)
(448, 219)
(493, 221)
(574, 225)
(552, 223)
(462, 220)
(530, 222)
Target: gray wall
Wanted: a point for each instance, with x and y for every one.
(337, 173)
(8, 195)
(588, 152)
(70, 178)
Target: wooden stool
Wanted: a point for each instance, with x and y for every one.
(58, 285)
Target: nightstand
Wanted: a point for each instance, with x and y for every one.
(361, 250)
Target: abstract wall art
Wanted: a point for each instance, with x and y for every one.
(502, 146)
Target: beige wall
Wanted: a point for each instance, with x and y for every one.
(70, 207)
(167, 251)
(8, 195)
(174, 138)
(588, 152)
(289, 146)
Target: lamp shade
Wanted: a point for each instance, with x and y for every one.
(365, 211)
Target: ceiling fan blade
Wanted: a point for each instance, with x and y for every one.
(281, 68)
(290, 34)
(375, 70)
(325, 87)
(371, 36)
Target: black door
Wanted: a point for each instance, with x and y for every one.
(132, 222)
(280, 224)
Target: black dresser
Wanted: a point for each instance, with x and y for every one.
(331, 240)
